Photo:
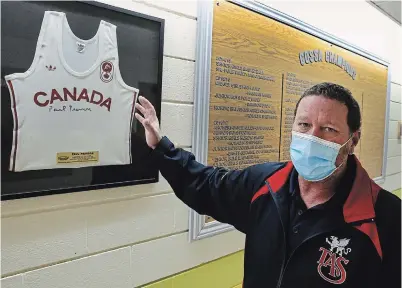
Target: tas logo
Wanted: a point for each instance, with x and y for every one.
(331, 263)
(106, 73)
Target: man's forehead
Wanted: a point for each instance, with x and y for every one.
(320, 103)
(311, 106)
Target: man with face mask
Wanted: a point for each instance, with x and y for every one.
(315, 221)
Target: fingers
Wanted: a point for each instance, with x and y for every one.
(139, 118)
(140, 108)
(147, 110)
(144, 122)
(144, 102)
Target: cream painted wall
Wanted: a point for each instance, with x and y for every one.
(126, 237)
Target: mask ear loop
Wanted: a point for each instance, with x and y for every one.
(351, 136)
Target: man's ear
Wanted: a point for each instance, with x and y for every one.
(355, 140)
(356, 137)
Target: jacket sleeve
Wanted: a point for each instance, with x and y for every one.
(388, 214)
(222, 194)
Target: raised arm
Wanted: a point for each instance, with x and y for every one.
(222, 194)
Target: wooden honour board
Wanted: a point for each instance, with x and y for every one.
(257, 77)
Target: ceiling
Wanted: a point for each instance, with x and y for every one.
(390, 8)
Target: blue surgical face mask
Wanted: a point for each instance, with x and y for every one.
(313, 157)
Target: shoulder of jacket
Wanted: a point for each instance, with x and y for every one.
(388, 220)
(260, 172)
(267, 168)
(387, 202)
(388, 215)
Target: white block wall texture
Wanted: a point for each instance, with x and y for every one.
(130, 236)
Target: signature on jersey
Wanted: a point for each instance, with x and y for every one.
(69, 108)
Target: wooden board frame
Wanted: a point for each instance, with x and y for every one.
(199, 226)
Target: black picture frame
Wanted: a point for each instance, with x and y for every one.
(15, 185)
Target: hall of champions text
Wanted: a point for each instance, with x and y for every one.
(233, 145)
(239, 146)
(225, 65)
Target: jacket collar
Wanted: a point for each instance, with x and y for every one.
(362, 198)
(359, 205)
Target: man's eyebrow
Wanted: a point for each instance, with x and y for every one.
(335, 124)
(302, 118)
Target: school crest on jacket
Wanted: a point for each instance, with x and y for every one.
(331, 265)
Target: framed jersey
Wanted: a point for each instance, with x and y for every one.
(71, 74)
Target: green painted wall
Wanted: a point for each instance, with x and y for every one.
(397, 192)
(226, 272)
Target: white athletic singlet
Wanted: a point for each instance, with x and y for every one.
(71, 108)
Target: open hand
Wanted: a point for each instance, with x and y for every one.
(149, 121)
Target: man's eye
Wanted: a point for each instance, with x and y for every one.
(303, 125)
(329, 129)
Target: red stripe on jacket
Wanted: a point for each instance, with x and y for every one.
(360, 204)
(275, 181)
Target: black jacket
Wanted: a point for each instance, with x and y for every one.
(358, 245)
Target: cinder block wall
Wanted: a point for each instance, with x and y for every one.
(133, 236)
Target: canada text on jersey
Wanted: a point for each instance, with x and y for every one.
(42, 99)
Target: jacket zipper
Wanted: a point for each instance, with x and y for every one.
(297, 247)
(285, 264)
(284, 237)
